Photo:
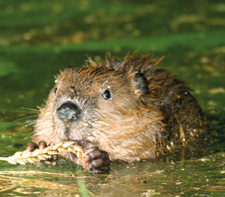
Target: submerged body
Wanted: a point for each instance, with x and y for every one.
(129, 108)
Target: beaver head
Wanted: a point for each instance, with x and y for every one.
(107, 105)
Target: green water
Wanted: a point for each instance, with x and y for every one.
(38, 38)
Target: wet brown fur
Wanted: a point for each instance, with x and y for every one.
(136, 123)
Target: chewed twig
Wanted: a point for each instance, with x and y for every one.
(38, 155)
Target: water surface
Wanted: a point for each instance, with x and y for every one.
(38, 38)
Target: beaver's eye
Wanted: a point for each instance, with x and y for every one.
(72, 88)
(55, 90)
(106, 95)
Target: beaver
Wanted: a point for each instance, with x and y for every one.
(120, 110)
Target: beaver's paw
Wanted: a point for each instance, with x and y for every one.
(96, 160)
(41, 145)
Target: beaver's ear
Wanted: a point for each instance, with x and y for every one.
(140, 83)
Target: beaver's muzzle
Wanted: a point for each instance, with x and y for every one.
(69, 111)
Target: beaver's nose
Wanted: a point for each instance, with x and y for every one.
(68, 112)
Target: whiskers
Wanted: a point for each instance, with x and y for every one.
(25, 118)
(30, 120)
(30, 123)
(29, 109)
